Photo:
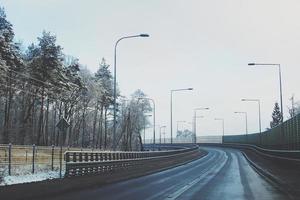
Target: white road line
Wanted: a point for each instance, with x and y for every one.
(197, 180)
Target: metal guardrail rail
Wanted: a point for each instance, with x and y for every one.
(280, 154)
(293, 155)
(80, 163)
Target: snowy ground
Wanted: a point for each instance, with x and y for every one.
(40, 176)
(22, 174)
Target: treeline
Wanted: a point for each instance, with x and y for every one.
(39, 86)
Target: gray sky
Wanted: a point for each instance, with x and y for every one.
(204, 44)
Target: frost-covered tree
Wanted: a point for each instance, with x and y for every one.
(41, 85)
(276, 116)
(103, 77)
(132, 121)
(185, 136)
(47, 67)
(10, 62)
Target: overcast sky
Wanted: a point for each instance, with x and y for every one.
(204, 44)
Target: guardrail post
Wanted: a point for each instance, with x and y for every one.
(80, 157)
(52, 158)
(74, 157)
(67, 157)
(33, 157)
(9, 159)
(86, 157)
(92, 157)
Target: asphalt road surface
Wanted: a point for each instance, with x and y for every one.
(224, 174)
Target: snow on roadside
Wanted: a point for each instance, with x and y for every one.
(40, 176)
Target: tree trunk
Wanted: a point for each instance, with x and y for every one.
(100, 129)
(105, 128)
(46, 139)
(8, 99)
(94, 126)
(59, 117)
(54, 124)
(83, 128)
(40, 123)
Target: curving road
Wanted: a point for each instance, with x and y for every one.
(224, 174)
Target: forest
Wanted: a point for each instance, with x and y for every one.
(40, 85)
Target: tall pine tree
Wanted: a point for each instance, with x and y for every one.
(276, 116)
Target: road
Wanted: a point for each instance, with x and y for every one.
(224, 174)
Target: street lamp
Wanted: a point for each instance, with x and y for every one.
(195, 121)
(115, 82)
(259, 115)
(145, 98)
(171, 123)
(246, 119)
(280, 82)
(221, 119)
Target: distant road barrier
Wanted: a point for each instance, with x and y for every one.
(285, 155)
(285, 136)
(80, 163)
(279, 154)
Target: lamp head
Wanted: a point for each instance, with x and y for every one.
(144, 35)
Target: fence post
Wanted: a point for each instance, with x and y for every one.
(26, 154)
(9, 159)
(52, 158)
(33, 157)
(60, 162)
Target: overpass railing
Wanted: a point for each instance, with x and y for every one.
(285, 136)
(80, 163)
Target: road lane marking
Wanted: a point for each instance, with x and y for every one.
(164, 191)
(197, 180)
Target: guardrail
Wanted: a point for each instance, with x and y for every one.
(82, 163)
(277, 154)
(281, 154)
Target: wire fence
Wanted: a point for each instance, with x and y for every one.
(285, 136)
(26, 159)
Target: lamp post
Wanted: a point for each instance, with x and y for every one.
(246, 119)
(145, 98)
(195, 121)
(115, 82)
(221, 119)
(171, 104)
(280, 82)
(259, 116)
